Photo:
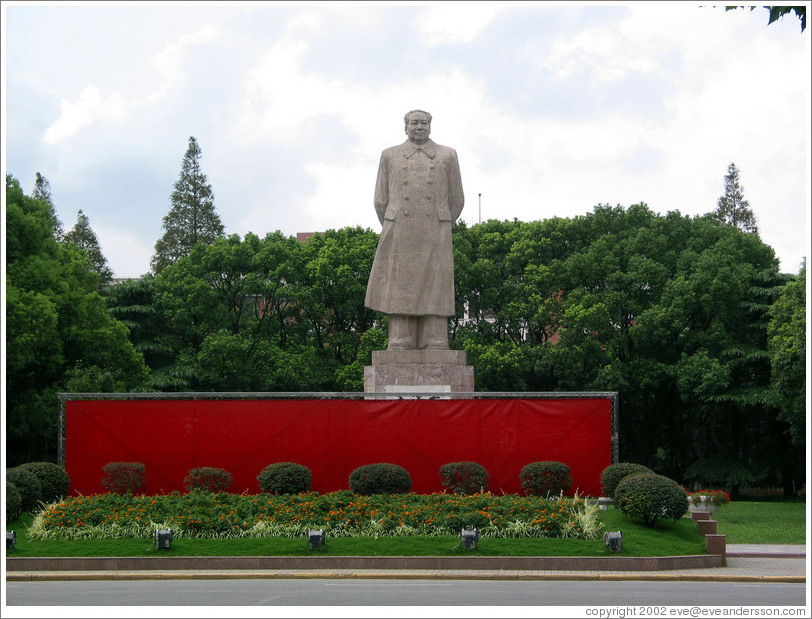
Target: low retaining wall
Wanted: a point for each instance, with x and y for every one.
(44, 564)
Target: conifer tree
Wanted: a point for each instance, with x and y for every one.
(83, 237)
(42, 191)
(732, 208)
(192, 218)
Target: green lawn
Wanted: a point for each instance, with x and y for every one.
(743, 522)
(762, 522)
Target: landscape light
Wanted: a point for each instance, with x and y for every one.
(163, 538)
(315, 539)
(613, 540)
(469, 538)
(604, 502)
(11, 539)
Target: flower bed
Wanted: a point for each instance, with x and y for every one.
(342, 513)
(710, 500)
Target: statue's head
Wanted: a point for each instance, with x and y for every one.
(418, 125)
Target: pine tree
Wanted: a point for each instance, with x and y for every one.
(83, 237)
(192, 218)
(42, 191)
(732, 208)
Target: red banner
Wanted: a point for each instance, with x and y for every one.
(332, 437)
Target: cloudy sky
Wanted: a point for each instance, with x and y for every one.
(552, 109)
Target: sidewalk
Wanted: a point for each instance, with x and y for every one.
(745, 563)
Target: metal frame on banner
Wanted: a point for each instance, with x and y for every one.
(321, 395)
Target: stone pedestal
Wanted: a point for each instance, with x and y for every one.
(716, 544)
(419, 371)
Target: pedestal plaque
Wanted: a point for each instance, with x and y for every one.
(419, 372)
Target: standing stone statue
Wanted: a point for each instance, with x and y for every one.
(418, 197)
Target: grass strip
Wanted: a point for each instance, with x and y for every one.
(762, 522)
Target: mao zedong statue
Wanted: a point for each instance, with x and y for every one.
(418, 197)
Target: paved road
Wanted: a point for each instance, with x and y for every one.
(766, 576)
(366, 592)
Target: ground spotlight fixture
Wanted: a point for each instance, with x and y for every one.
(469, 538)
(163, 538)
(11, 539)
(315, 539)
(613, 540)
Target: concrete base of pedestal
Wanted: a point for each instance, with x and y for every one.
(419, 372)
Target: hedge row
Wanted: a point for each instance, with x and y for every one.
(32, 484)
(537, 478)
(643, 495)
(637, 491)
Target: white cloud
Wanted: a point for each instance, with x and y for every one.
(279, 97)
(89, 107)
(456, 22)
(92, 106)
(170, 60)
(724, 86)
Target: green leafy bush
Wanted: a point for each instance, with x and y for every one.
(124, 477)
(28, 485)
(208, 478)
(464, 477)
(14, 501)
(380, 478)
(285, 478)
(52, 477)
(545, 478)
(612, 474)
(649, 497)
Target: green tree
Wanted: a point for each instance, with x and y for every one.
(132, 302)
(192, 218)
(787, 347)
(732, 208)
(291, 313)
(42, 191)
(59, 334)
(670, 311)
(330, 293)
(83, 237)
(777, 12)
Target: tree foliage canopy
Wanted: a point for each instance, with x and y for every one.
(59, 334)
(83, 237)
(787, 348)
(192, 218)
(732, 208)
(777, 12)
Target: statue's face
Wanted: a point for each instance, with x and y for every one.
(418, 128)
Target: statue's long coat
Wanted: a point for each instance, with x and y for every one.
(418, 196)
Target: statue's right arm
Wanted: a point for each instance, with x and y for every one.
(382, 187)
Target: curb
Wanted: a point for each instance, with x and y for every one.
(394, 575)
(363, 564)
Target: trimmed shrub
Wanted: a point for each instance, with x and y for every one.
(464, 477)
(545, 478)
(380, 478)
(14, 501)
(124, 477)
(208, 478)
(612, 474)
(28, 485)
(52, 477)
(285, 478)
(649, 497)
